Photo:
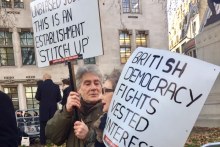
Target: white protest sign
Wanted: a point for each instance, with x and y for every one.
(157, 99)
(66, 28)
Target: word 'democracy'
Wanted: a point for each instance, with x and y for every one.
(157, 92)
(61, 31)
(156, 83)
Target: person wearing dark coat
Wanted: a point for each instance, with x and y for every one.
(48, 94)
(8, 125)
(66, 90)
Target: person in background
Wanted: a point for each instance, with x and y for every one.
(39, 83)
(64, 127)
(107, 94)
(27, 114)
(27, 117)
(48, 94)
(19, 113)
(35, 113)
(8, 126)
(66, 90)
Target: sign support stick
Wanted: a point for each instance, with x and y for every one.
(73, 88)
(73, 85)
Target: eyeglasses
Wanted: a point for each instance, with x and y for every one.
(105, 90)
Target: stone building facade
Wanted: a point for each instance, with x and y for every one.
(202, 42)
(125, 25)
(207, 46)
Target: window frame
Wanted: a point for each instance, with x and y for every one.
(91, 60)
(6, 48)
(143, 37)
(34, 104)
(21, 4)
(11, 95)
(125, 48)
(128, 6)
(27, 47)
(18, 4)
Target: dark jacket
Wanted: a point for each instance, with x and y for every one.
(99, 127)
(48, 94)
(59, 129)
(8, 125)
(66, 92)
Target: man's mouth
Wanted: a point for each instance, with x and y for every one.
(94, 94)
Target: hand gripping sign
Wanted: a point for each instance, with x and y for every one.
(157, 99)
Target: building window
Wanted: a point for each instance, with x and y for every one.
(18, 4)
(6, 48)
(12, 3)
(7, 56)
(89, 60)
(194, 28)
(193, 53)
(177, 50)
(141, 39)
(131, 6)
(13, 94)
(27, 48)
(125, 45)
(5, 38)
(190, 54)
(6, 4)
(30, 92)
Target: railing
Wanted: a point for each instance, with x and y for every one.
(28, 122)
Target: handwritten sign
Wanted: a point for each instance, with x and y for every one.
(66, 28)
(157, 99)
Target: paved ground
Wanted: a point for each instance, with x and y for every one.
(199, 136)
(202, 135)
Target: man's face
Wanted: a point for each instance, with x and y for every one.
(90, 88)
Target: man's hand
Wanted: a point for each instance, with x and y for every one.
(73, 100)
(80, 129)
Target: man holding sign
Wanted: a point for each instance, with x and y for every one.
(63, 127)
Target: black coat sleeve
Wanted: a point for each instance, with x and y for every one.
(38, 94)
(8, 125)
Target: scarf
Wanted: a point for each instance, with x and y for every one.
(86, 107)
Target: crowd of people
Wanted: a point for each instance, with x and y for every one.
(81, 120)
